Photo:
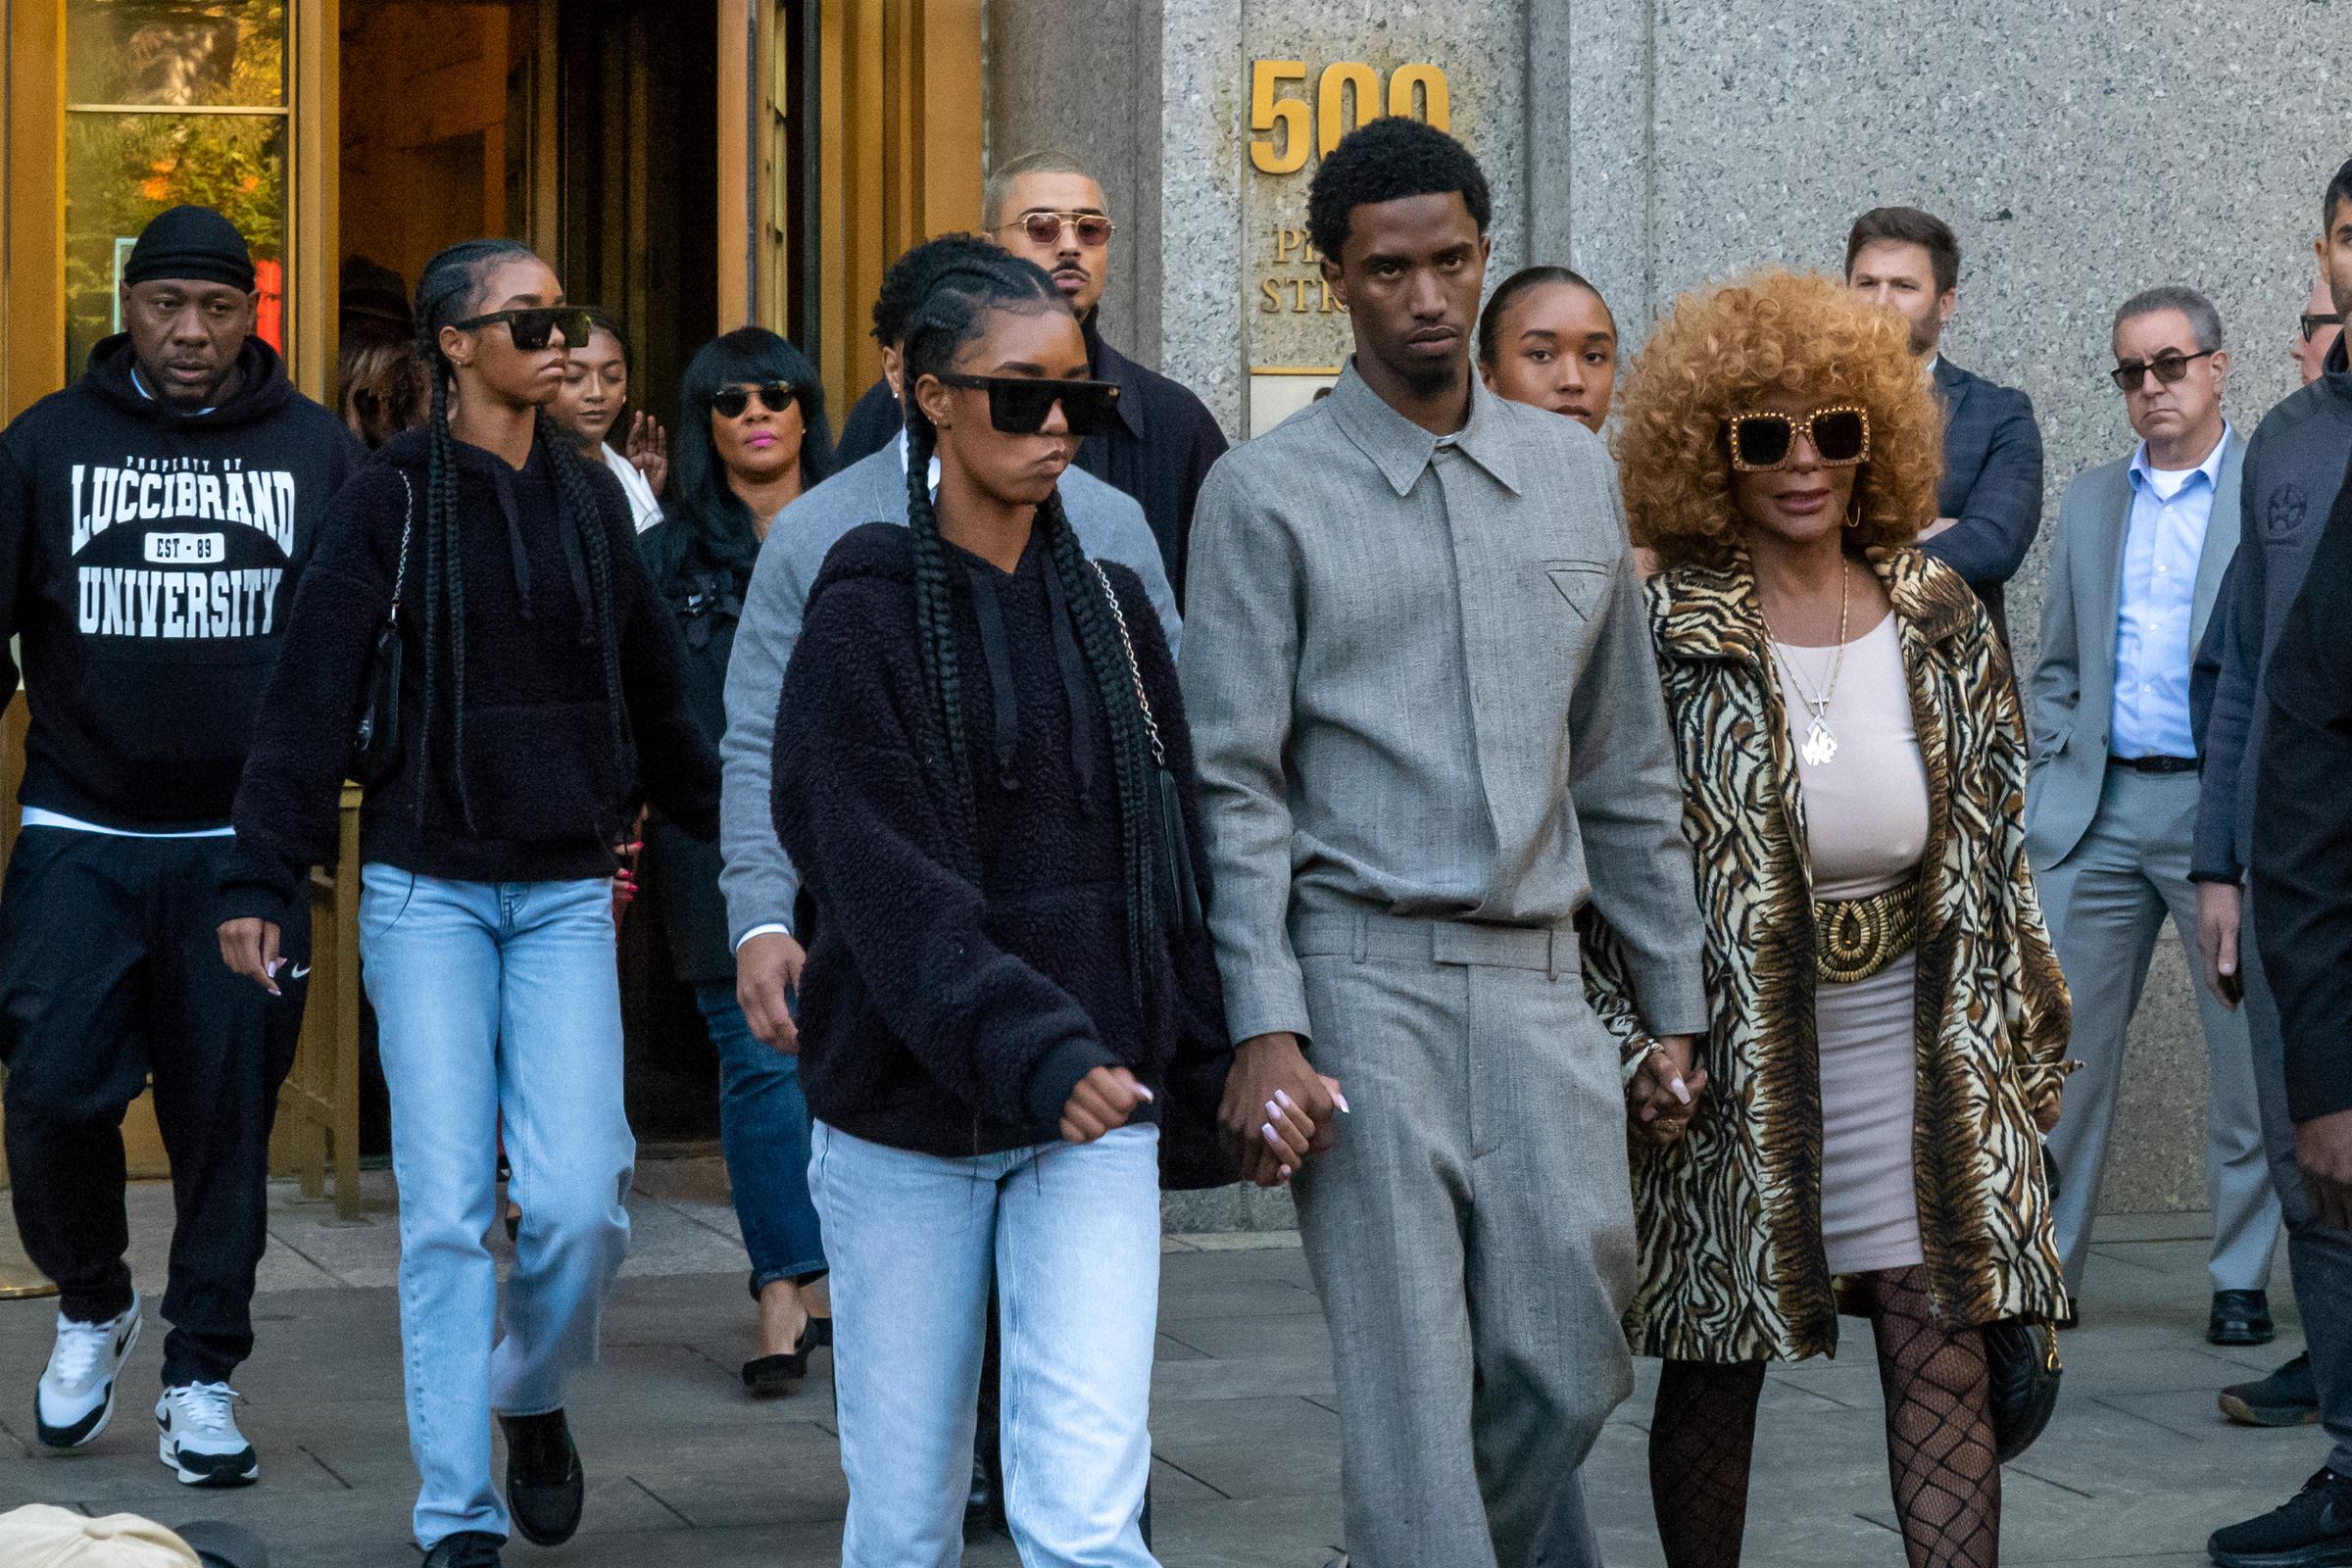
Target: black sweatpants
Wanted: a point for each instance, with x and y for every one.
(110, 970)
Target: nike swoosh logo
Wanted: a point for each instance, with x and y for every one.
(300, 970)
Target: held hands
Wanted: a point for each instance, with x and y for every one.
(1664, 1094)
(647, 448)
(1101, 1103)
(249, 947)
(768, 967)
(1278, 1110)
(2220, 908)
(2324, 1152)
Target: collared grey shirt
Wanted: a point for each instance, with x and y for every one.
(758, 876)
(1420, 682)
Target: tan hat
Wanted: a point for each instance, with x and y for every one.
(39, 1536)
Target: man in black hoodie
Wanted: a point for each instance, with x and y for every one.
(153, 520)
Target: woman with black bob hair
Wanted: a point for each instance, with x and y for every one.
(536, 674)
(752, 437)
(1011, 1028)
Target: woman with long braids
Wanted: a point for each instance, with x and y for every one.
(1011, 1029)
(1858, 1129)
(539, 676)
(751, 438)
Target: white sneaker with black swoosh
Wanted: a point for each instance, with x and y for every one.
(75, 1398)
(199, 1435)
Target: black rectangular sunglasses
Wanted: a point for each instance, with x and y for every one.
(1017, 405)
(534, 325)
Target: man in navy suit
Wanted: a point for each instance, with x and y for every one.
(1990, 503)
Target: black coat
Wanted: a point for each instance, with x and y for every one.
(955, 994)
(704, 594)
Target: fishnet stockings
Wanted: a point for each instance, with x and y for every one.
(1940, 1447)
(1702, 1438)
(1947, 1475)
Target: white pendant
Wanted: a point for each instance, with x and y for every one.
(1821, 747)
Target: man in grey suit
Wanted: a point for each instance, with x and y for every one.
(1989, 502)
(1430, 732)
(2111, 805)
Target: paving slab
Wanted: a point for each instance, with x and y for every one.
(2135, 1469)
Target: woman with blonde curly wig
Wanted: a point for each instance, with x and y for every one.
(1858, 1127)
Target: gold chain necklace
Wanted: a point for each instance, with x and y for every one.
(1819, 747)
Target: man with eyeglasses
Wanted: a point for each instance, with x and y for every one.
(1990, 503)
(2143, 543)
(155, 518)
(2294, 470)
(2316, 332)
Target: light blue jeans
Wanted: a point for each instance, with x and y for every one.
(496, 1003)
(1073, 1232)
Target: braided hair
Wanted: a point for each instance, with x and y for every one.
(446, 293)
(952, 311)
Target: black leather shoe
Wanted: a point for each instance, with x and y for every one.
(467, 1548)
(2241, 1317)
(2313, 1529)
(546, 1487)
(984, 1509)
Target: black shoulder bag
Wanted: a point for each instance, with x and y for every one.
(375, 742)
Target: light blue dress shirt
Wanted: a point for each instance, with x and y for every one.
(2162, 545)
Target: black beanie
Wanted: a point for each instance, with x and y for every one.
(191, 242)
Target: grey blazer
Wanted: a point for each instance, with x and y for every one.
(758, 879)
(2073, 688)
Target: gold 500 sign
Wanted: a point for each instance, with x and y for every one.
(1285, 127)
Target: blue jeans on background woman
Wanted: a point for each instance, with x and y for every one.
(764, 1131)
(496, 1003)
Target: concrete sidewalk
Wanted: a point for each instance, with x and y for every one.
(2138, 1467)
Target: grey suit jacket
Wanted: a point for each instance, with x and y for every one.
(758, 879)
(2073, 688)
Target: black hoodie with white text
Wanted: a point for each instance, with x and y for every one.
(148, 556)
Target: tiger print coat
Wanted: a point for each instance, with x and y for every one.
(1730, 1218)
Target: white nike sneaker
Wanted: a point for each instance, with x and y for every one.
(77, 1394)
(200, 1439)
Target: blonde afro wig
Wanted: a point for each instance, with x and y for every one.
(1724, 348)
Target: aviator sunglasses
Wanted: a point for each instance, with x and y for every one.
(1017, 405)
(1761, 442)
(532, 327)
(1045, 228)
(730, 402)
(2127, 374)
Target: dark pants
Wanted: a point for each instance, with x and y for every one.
(109, 972)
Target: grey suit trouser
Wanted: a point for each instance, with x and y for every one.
(1471, 1234)
(2106, 904)
(2319, 1257)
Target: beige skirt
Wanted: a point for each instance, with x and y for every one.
(1869, 1075)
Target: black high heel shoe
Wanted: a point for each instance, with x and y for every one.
(771, 1376)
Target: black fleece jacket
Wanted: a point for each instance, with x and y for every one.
(148, 555)
(950, 1015)
(549, 792)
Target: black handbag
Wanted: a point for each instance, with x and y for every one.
(2022, 1371)
(1180, 891)
(375, 741)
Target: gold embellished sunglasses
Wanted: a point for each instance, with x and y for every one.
(1761, 442)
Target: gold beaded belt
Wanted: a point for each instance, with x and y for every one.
(1859, 937)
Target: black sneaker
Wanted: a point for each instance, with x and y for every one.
(545, 1484)
(2288, 1398)
(467, 1548)
(2313, 1529)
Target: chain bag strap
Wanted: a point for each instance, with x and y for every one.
(1180, 890)
(376, 740)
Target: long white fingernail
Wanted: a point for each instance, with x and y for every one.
(1143, 1095)
(1680, 1093)
(1282, 1097)
(1340, 1100)
(1274, 1138)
